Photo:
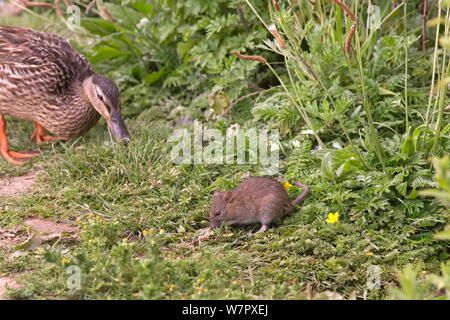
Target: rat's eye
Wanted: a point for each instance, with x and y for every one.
(218, 213)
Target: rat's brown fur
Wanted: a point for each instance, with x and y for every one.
(257, 199)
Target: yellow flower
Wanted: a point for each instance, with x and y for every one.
(172, 287)
(144, 232)
(287, 186)
(78, 220)
(370, 253)
(90, 215)
(161, 231)
(64, 261)
(333, 217)
(218, 272)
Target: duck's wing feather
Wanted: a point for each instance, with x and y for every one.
(20, 80)
(39, 55)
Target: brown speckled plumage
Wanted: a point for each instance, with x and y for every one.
(41, 78)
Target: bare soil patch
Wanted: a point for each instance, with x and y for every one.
(45, 226)
(15, 186)
(9, 238)
(7, 282)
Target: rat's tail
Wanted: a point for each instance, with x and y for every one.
(303, 195)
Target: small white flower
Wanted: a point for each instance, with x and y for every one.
(296, 143)
(308, 131)
(273, 146)
(336, 145)
(141, 25)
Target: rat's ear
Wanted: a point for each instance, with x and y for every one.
(227, 196)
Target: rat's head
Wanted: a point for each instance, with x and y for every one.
(220, 204)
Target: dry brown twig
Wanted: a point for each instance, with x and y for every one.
(245, 57)
(31, 4)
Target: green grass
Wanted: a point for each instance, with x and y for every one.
(139, 187)
(141, 216)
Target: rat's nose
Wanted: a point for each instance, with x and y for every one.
(214, 224)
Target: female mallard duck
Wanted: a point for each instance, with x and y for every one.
(44, 80)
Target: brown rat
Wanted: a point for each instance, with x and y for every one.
(257, 199)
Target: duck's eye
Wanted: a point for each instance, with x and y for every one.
(218, 213)
(101, 98)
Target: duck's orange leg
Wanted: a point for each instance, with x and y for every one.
(17, 158)
(40, 136)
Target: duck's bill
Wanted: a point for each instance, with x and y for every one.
(118, 129)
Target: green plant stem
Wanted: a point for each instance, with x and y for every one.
(443, 93)
(435, 56)
(291, 37)
(373, 132)
(405, 35)
(299, 108)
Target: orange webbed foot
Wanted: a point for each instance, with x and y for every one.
(19, 158)
(40, 136)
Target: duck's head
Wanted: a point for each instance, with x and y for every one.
(104, 96)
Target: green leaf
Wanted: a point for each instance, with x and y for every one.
(104, 53)
(99, 26)
(145, 8)
(413, 195)
(401, 188)
(327, 167)
(384, 92)
(155, 76)
(408, 146)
